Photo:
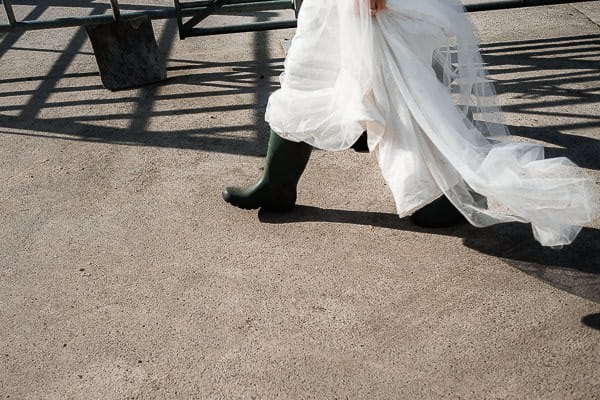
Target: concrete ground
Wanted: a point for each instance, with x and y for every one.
(124, 275)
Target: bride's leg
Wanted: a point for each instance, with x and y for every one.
(276, 188)
(361, 145)
(440, 213)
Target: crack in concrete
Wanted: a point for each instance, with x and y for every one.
(584, 14)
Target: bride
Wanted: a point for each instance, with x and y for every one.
(409, 73)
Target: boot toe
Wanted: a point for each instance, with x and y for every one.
(228, 194)
(238, 198)
(278, 201)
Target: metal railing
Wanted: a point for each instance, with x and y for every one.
(221, 6)
(199, 10)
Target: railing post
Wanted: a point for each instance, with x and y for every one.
(9, 11)
(114, 4)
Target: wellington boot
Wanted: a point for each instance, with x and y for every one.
(276, 189)
(440, 213)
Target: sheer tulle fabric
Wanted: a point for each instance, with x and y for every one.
(412, 76)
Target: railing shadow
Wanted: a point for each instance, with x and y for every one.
(253, 78)
(552, 76)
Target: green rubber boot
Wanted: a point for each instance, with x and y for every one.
(276, 189)
(440, 213)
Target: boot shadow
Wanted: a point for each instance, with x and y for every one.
(367, 218)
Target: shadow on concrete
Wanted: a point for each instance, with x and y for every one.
(575, 268)
(249, 77)
(582, 150)
(592, 321)
(548, 68)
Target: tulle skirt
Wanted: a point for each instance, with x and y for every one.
(412, 76)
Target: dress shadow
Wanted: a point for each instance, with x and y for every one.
(574, 269)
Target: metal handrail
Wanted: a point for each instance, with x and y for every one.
(166, 13)
(205, 8)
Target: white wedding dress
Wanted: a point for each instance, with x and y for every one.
(412, 76)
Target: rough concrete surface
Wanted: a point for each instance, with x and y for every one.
(124, 275)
